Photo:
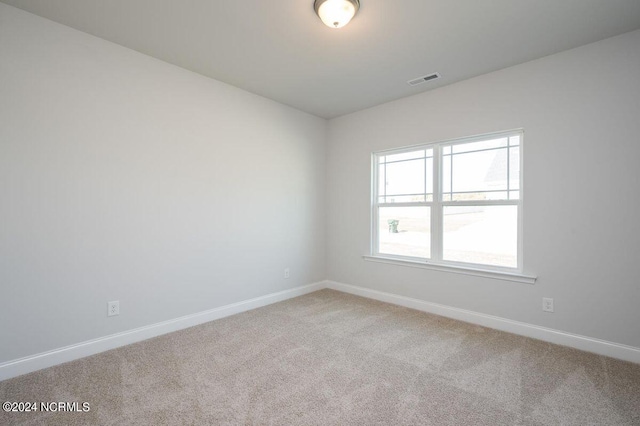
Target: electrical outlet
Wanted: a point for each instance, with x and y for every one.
(287, 273)
(113, 308)
(547, 304)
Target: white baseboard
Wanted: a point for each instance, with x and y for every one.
(600, 347)
(80, 350)
(91, 347)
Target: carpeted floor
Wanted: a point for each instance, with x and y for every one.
(329, 358)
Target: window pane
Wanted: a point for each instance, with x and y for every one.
(406, 199)
(481, 234)
(480, 171)
(429, 176)
(381, 180)
(476, 146)
(514, 168)
(405, 156)
(446, 174)
(471, 196)
(405, 177)
(405, 231)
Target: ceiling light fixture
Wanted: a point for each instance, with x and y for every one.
(336, 13)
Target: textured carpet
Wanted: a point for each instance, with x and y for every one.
(329, 358)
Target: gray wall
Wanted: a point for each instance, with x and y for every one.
(580, 111)
(126, 178)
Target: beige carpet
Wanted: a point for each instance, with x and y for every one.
(330, 358)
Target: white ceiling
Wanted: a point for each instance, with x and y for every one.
(280, 49)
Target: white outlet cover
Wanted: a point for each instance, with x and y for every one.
(113, 308)
(547, 304)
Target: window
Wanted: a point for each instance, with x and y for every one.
(454, 203)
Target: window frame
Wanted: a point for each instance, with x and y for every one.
(437, 206)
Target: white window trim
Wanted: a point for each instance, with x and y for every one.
(488, 271)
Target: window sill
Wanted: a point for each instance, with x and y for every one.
(497, 275)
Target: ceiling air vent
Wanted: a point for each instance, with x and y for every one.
(423, 79)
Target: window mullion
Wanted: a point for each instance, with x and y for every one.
(436, 210)
(509, 168)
